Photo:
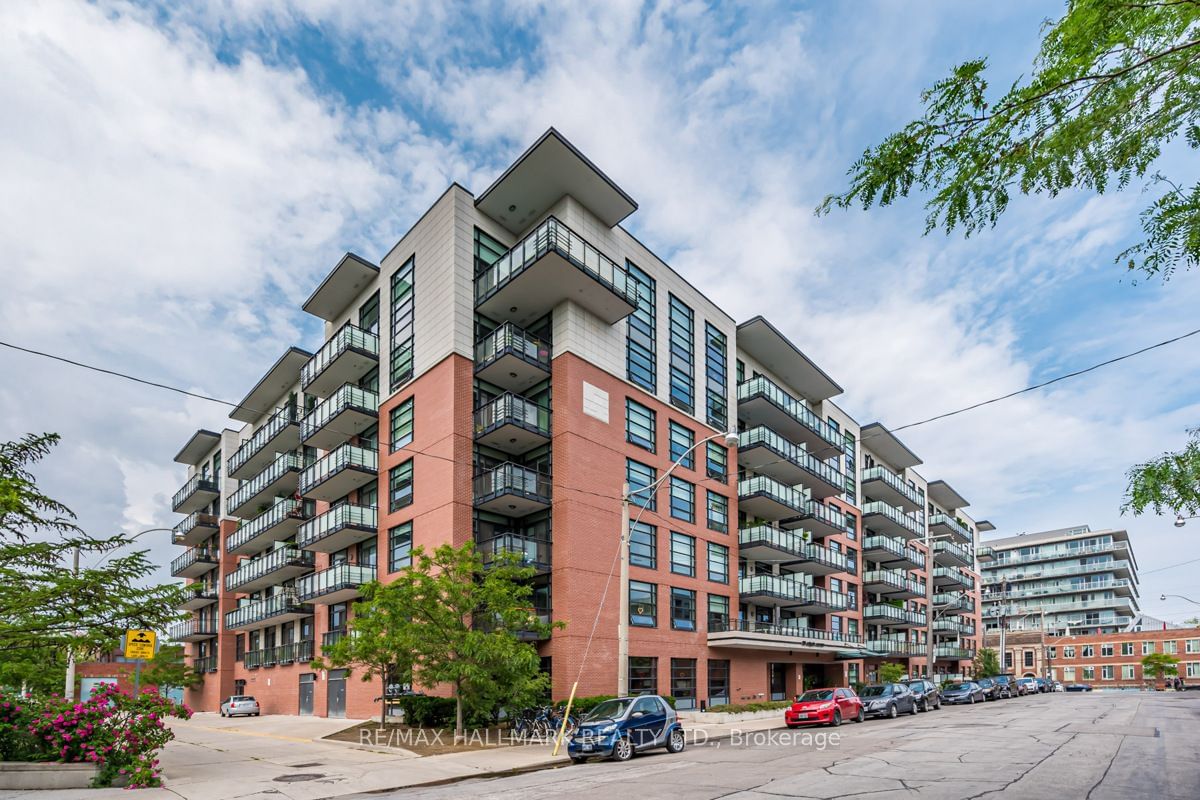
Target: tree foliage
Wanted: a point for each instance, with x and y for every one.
(892, 672)
(1159, 665)
(169, 670)
(1112, 85)
(987, 663)
(45, 606)
(1169, 482)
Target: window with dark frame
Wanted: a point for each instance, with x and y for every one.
(643, 604)
(639, 424)
(683, 554)
(643, 545)
(400, 486)
(400, 547)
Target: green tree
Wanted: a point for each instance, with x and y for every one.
(987, 663)
(40, 674)
(46, 607)
(892, 672)
(1159, 665)
(169, 670)
(1170, 482)
(381, 639)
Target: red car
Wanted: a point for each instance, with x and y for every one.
(825, 707)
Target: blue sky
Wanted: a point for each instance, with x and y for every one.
(179, 177)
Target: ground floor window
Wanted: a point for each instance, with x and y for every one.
(1106, 673)
(1068, 673)
(718, 682)
(683, 682)
(643, 675)
(1127, 672)
(1193, 669)
(239, 686)
(852, 673)
(1089, 673)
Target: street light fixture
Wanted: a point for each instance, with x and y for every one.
(1181, 520)
(1181, 597)
(731, 440)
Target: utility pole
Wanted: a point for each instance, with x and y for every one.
(1003, 626)
(623, 621)
(69, 688)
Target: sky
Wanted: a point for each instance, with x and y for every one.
(178, 178)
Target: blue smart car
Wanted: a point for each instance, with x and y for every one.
(623, 726)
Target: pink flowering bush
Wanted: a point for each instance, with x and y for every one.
(119, 732)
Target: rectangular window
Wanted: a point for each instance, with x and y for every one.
(400, 547)
(487, 251)
(1008, 660)
(718, 612)
(1069, 651)
(639, 476)
(683, 682)
(1028, 658)
(401, 425)
(1089, 673)
(402, 325)
(718, 562)
(716, 462)
(718, 512)
(1106, 672)
(1068, 673)
(683, 500)
(1193, 669)
(1051, 653)
(400, 486)
(683, 355)
(368, 314)
(1127, 672)
(1126, 648)
(640, 337)
(716, 363)
(1170, 647)
(639, 424)
(1189, 646)
(1147, 648)
(1087, 651)
(682, 441)
(1106, 650)
(643, 675)
(643, 604)
(718, 681)
(683, 554)
(643, 545)
(683, 609)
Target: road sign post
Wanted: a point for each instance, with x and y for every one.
(139, 645)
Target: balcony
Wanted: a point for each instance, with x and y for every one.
(548, 266)
(282, 607)
(899, 648)
(276, 524)
(339, 472)
(764, 451)
(766, 498)
(338, 528)
(338, 584)
(343, 415)
(278, 479)
(880, 483)
(820, 520)
(949, 554)
(951, 578)
(205, 664)
(527, 552)
(953, 627)
(954, 603)
(1119, 586)
(985, 554)
(263, 657)
(348, 355)
(512, 359)
(269, 569)
(776, 590)
(892, 617)
(512, 490)
(512, 423)
(330, 638)
(192, 630)
(891, 521)
(893, 553)
(954, 653)
(280, 433)
(544, 616)
(195, 528)
(942, 524)
(197, 493)
(1066, 570)
(195, 562)
(762, 402)
(1095, 603)
(1007, 557)
(892, 583)
(198, 596)
(768, 543)
(743, 633)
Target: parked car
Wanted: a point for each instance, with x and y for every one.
(1043, 685)
(887, 700)
(824, 707)
(620, 727)
(926, 693)
(1010, 683)
(1058, 687)
(993, 689)
(964, 692)
(1078, 687)
(1027, 685)
(240, 704)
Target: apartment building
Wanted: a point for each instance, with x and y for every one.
(501, 373)
(1066, 581)
(1101, 660)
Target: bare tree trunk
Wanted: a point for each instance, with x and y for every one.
(383, 698)
(458, 713)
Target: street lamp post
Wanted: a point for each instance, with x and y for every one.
(1181, 597)
(731, 440)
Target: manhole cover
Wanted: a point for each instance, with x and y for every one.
(299, 776)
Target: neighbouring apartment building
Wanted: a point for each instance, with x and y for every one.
(496, 378)
(1066, 581)
(1104, 660)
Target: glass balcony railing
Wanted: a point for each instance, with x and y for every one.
(792, 590)
(909, 522)
(1061, 589)
(283, 464)
(527, 551)
(951, 524)
(1006, 557)
(195, 525)
(894, 578)
(893, 480)
(553, 236)
(957, 551)
(725, 625)
(893, 615)
(264, 565)
(346, 456)
(894, 547)
(205, 664)
(826, 516)
(508, 338)
(1034, 573)
(287, 508)
(335, 520)
(959, 653)
(953, 626)
(512, 409)
(278, 421)
(776, 538)
(276, 605)
(194, 485)
(954, 575)
(769, 487)
(509, 478)
(955, 601)
(191, 628)
(894, 646)
(762, 435)
(762, 386)
(347, 397)
(198, 557)
(348, 337)
(334, 579)
(330, 638)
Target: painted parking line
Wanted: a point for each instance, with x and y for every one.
(262, 735)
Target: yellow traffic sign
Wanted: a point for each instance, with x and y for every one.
(139, 644)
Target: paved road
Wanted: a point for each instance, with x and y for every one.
(1094, 746)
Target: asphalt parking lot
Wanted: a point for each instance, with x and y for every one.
(1097, 746)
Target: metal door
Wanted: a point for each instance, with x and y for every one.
(307, 684)
(777, 680)
(335, 702)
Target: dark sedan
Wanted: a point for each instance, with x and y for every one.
(926, 694)
(887, 700)
(965, 692)
(993, 689)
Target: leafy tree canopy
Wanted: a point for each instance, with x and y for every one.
(1169, 482)
(987, 663)
(169, 670)
(892, 672)
(1159, 665)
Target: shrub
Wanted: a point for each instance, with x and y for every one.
(734, 708)
(427, 712)
(583, 705)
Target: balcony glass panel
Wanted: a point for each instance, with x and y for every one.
(348, 337)
(762, 386)
(340, 576)
(270, 429)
